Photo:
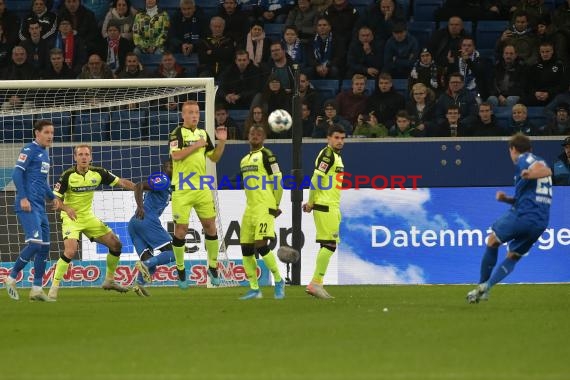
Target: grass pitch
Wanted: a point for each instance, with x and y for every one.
(428, 332)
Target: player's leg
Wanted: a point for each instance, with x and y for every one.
(247, 240)
(40, 261)
(111, 241)
(70, 247)
(265, 231)
(206, 211)
(181, 208)
(31, 224)
(136, 232)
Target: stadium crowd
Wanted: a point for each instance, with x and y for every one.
(398, 68)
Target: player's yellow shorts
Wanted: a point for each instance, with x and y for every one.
(327, 223)
(89, 225)
(183, 201)
(257, 225)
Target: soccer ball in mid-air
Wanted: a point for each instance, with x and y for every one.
(279, 121)
(288, 255)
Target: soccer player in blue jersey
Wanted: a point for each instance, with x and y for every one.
(523, 224)
(30, 177)
(145, 229)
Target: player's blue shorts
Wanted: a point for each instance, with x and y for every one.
(35, 225)
(148, 234)
(519, 233)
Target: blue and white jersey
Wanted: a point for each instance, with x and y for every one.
(34, 161)
(156, 200)
(532, 196)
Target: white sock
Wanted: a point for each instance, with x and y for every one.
(36, 288)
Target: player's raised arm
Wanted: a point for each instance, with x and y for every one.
(536, 170)
(222, 136)
(126, 184)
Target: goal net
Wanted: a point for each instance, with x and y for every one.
(127, 123)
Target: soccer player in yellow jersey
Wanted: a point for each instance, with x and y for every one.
(189, 147)
(324, 201)
(74, 193)
(263, 190)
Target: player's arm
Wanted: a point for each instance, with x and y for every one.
(177, 149)
(537, 170)
(109, 179)
(503, 197)
(126, 184)
(274, 172)
(140, 188)
(322, 167)
(18, 178)
(216, 153)
(58, 191)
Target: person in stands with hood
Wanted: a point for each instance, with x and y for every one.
(561, 167)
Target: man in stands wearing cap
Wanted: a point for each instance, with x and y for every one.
(561, 123)
(401, 52)
(330, 118)
(426, 71)
(561, 168)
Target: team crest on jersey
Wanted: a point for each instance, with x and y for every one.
(57, 187)
(93, 181)
(68, 232)
(323, 166)
(175, 216)
(174, 144)
(22, 157)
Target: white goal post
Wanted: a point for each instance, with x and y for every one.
(127, 122)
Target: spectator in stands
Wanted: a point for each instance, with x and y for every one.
(307, 119)
(47, 19)
(456, 95)
(83, 21)
(256, 117)
(452, 126)
(280, 64)
(302, 17)
(257, 44)
(150, 29)
(472, 67)
(224, 120)
(321, 5)
(365, 54)
(368, 126)
(534, 8)
(272, 96)
(327, 52)
(401, 52)
(327, 118)
(561, 21)
(486, 123)
(240, 82)
(72, 46)
(522, 37)
(237, 21)
(132, 68)
(546, 31)
(342, 17)
(10, 24)
(36, 48)
(56, 68)
(169, 68)
(187, 26)
(561, 167)
(520, 123)
(294, 47)
(352, 103)
(381, 18)
(95, 69)
(122, 14)
(404, 127)
(114, 48)
(549, 78)
(308, 94)
(421, 108)
(509, 79)
(560, 125)
(274, 11)
(18, 69)
(385, 102)
(215, 51)
(444, 43)
(427, 72)
(5, 47)
(474, 10)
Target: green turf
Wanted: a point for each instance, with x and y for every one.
(428, 332)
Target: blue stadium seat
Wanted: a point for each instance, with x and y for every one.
(91, 127)
(401, 86)
(327, 88)
(239, 115)
(488, 32)
(423, 10)
(189, 62)
(128, 125)
(210, 10)
(62, 125)
(274, 31)
(16, 129)
(467, 25)
(161, 123)
(422, 30)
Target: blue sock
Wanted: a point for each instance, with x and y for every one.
(40, 262)
(502, 271)
(160, 259)
(488, 263)
(24, 258)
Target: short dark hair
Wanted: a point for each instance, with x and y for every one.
(40, 124)
(403, 114)
(453, 107)
(335, 128)
(520, 142)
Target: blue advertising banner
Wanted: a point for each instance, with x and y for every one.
(437, 236)
(92, 274)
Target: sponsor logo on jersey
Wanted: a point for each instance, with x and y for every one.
(45, 167)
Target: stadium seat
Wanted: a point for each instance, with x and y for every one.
(128, 125)
(423, 10)
(161, 123)
(16, 129)
(550, 4)
(239, 116)
(327, 88)
(189, 62)
(401, 86)
(62, 125)
(210, 10)
(274, 31)
(422, 30)
(91, 127)
(488, 32)
(467, 25)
